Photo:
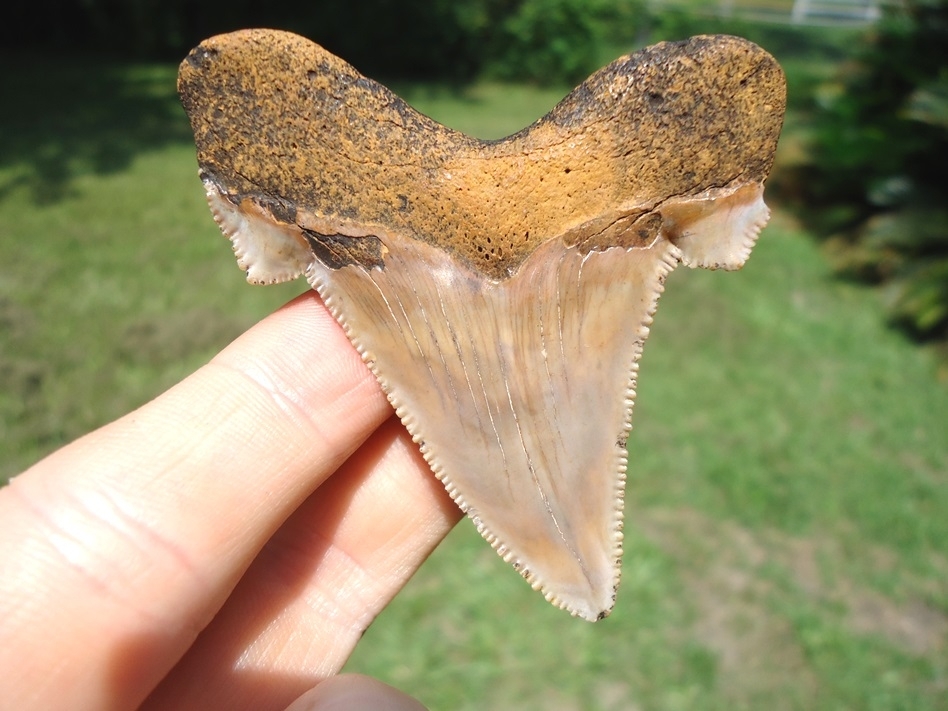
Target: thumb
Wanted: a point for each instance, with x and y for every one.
(355, 692)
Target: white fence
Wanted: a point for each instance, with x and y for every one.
(800, 12)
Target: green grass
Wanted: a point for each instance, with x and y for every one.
(787, 524)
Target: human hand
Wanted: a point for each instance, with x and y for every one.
(196, 553)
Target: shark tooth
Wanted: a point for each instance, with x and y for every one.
(501, 291)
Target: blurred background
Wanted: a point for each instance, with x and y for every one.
(787, 515)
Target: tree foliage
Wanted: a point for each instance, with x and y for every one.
(452, 40)
(875, 183)
(559, 41)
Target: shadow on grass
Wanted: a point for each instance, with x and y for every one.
(65, 116)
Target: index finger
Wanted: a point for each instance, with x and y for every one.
(145, 526)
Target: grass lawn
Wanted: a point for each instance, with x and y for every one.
(787, 518)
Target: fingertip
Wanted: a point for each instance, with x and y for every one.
(355, 692)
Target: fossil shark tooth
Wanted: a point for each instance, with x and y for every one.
(501, 291)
